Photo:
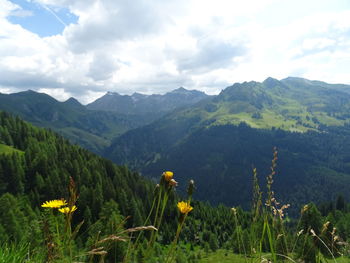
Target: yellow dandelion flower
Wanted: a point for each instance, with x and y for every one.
(184, 207)
(168, 175)
(67, 210)
(54, 203)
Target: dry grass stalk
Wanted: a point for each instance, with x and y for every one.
(112, 238)
(139, 228)
(97, 251)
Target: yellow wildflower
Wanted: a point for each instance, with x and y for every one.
(168, 175)
(184, 207)
(66, 210)
(54, 203)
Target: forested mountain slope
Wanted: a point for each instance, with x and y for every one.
(219, 140)
(35, 166)
(42, 163)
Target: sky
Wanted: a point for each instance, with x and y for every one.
(84, 48)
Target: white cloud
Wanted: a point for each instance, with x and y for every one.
(59, 94)
(6, 8)
(156, 46)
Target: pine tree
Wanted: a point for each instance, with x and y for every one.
(340, 203)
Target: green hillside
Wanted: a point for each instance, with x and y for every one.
(219, 140)
(291, 104)
(110, 198)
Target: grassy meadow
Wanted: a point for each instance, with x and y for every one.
(8, 149)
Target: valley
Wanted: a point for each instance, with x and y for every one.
(216, 140)
(235, 146)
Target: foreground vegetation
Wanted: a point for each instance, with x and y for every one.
(108, 214)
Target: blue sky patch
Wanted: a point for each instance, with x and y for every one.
(41, 19)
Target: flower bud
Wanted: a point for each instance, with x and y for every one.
(190, 188)
(172, 183)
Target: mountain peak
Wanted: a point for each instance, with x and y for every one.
(139, 95)
(33, 95)
(180, 90)
(112, 93)
(270, 81)
(73, 102)
(29, 91)
(183, 91)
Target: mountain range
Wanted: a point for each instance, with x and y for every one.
(219, 140)
(95, 125)
(216, 140)
(140, 104)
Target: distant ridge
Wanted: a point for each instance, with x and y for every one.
(139, 103)
(91, 127)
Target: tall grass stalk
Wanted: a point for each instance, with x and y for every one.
(267, 231)
(239, 235)
(323, 243)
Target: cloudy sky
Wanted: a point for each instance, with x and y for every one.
(84, 48)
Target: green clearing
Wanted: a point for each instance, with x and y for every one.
(8, 149)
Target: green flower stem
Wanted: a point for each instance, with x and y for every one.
(56, 223)
(134, 247)
(296, 239)
(157, 219)
(150, 213)
(174, 243)
(150, 244)
(69, 233)
(165, 201)
(158, 222)
(178, 231)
